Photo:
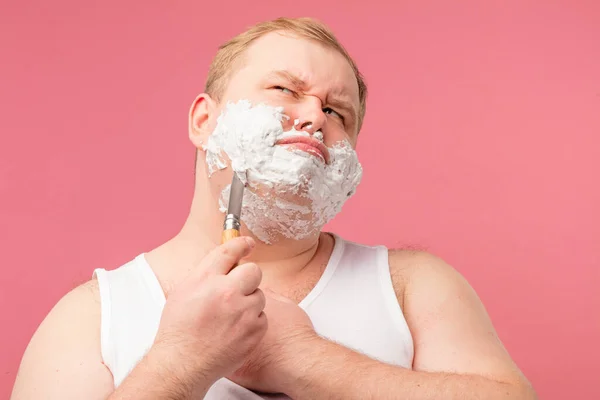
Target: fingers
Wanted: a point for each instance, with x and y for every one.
(258, 301)
(224, 257)
(247, 277)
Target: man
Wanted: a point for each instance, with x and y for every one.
(296, 314)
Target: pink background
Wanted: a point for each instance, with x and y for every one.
(481, 144)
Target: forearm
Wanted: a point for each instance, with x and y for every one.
(331, 371)
(159, 377)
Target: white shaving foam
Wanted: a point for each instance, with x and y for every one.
(290, 193)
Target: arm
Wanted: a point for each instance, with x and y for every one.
(457, 352)
(210, 322)
(159, 376)
(63, 360)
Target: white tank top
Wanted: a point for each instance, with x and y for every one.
(353, 304)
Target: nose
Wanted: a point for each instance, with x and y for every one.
(308, 116)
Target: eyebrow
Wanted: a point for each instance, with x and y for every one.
(301, 85)
(296, 81)
(345, 106)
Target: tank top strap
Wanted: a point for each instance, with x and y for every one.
(131, 303)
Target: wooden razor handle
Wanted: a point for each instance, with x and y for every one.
(229, 234)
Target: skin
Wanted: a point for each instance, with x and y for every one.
(458, 354)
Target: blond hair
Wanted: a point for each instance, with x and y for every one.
(229, 54)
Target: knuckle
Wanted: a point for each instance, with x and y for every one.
(227, 293)
(229, 296)
(225, 251)
(203, 275)
(231, 251)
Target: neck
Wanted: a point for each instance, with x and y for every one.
(280, 262)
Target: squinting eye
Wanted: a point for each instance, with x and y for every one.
(283, 89)
(328, 110)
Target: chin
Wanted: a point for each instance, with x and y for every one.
(274, 218)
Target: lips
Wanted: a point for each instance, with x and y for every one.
(307, 144)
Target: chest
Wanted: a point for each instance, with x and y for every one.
(299, 287)
(354, 304)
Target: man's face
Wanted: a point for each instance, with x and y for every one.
(313, 84)
(315, 88)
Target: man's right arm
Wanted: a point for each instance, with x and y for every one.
(63, 359)
(211, 321)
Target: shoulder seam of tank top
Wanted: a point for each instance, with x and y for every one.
(105, 317)
(362, 245)
(151, 280)
(389, 293)
(332, 264)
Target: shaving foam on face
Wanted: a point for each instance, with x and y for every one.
(290, 193)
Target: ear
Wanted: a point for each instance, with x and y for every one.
(199, 119)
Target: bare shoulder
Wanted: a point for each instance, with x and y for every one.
(63, 359)
(80, 305)
(88, 293)
(410, 264)
(451, 329)
(418, 270)
(426, 284)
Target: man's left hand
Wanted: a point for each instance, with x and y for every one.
(267, 368)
